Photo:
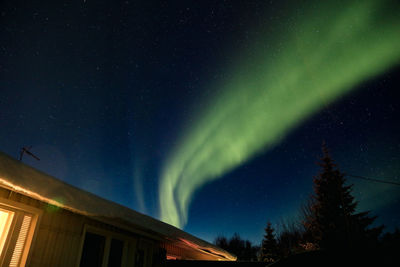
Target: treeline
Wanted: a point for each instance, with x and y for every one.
(243, 249)
(328, 222)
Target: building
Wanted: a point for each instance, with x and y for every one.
(46, 222)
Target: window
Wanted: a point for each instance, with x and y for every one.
(102, 248)
(20, 244)
(17, 227)
(5, 223)
(139, 258)
(116, 250)
(93, 248)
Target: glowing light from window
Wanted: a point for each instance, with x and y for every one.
(5, 222)
(21, 241)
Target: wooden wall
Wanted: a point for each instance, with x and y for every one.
(59, 235)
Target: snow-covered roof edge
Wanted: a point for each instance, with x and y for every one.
(39, 185)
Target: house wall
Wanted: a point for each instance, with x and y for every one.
(60, 232)
(59, 236)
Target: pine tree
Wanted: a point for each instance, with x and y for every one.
(269, 247)
(333, 222)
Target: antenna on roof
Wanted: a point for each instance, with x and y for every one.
(26, 150)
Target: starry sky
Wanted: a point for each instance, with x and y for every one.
(225, 102)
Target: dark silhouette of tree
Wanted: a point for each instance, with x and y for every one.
(389, 249)
(269, 247)
(250, 252)
(221, 242)
(243, 249)
(290, 238)
(391, 241)
(236, 245)
(333, 222)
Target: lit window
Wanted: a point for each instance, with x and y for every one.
(17, 227)
(5, 223)
(22, 236)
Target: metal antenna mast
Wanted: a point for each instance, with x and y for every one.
(26, 150)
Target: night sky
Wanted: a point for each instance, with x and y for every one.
(225, 102)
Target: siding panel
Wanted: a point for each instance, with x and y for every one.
(4, 192)
(59, 235)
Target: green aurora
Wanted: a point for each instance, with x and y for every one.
(319, 53)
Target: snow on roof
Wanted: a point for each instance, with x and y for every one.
(36, 184)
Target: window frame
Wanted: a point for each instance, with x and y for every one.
(20, 210)
(109, 235)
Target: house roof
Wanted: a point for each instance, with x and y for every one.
(31, 182)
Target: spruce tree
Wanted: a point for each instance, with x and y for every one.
(269, 248)
(333, 222)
